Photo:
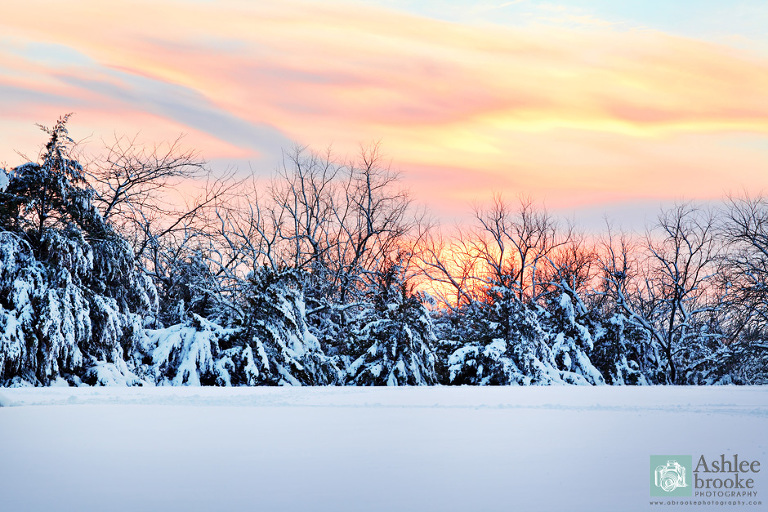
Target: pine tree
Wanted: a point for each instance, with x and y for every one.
(70, 295)
(275, 328)
(571, 340)
(397, 334)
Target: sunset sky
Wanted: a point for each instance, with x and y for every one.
(593, 106)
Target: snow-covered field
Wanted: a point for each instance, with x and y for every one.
(365, 449)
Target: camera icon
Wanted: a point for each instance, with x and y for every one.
(670, 476)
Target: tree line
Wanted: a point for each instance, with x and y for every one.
(330, 274)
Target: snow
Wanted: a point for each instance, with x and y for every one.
(373, 449)
(111, 374)
(192, 348)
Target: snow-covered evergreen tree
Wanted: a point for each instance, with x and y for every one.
(188, 289)
(499, 343)
(571, 340)
(397, 334)
(267, 343)
(190, 353)
(624, 353)
(506, 341)
(70, 295)
(275, 328)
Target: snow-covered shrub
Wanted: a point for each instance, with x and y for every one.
(193, 353)
(749, 362)
(187, 289)
(744, 361)
(102, 373)
(482, 365)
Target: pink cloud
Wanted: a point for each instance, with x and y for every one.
(572, 116)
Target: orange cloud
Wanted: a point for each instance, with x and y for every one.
(573, 116)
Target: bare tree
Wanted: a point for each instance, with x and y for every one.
(745, 271)
(670, 293)
(305, 192)
(572, 267)
(372, 220)
(618, 273)
(510, 250)
(450, 267)
(163, 199)
(513, 247)
(130, 177)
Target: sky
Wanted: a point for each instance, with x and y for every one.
(592, 107)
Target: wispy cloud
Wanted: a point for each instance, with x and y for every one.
(574, 115)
